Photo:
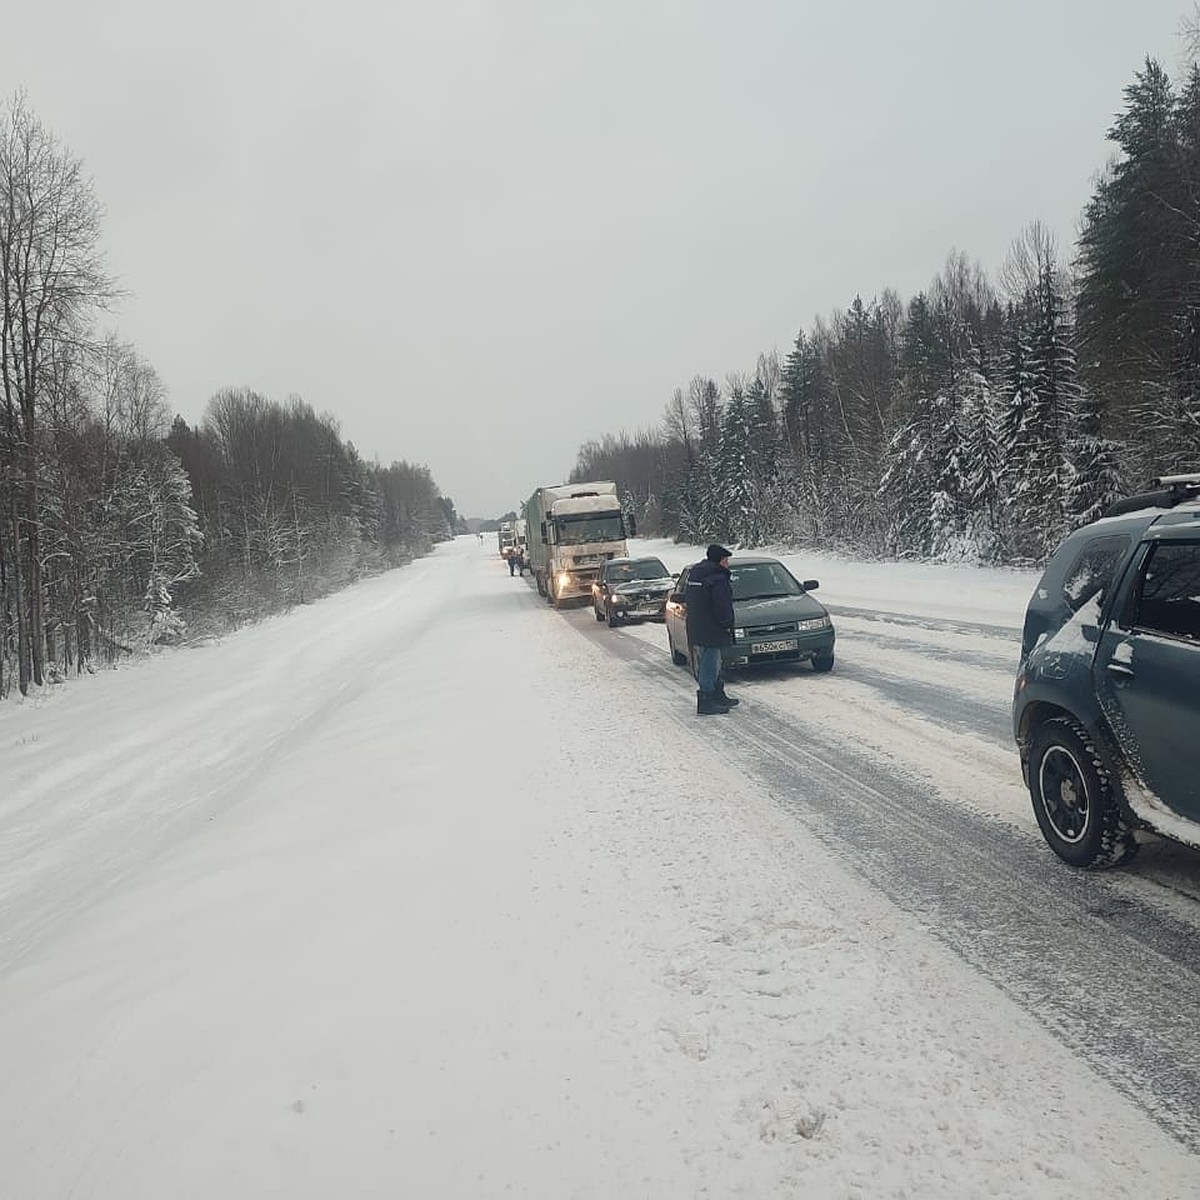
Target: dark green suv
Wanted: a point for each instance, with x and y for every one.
(1106, 710)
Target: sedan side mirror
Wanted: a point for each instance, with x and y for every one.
(810, 585)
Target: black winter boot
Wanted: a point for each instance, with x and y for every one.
(709, 704)
(728, 701)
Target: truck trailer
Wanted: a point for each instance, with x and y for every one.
(572, 529)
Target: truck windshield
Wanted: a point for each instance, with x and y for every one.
(601, 527)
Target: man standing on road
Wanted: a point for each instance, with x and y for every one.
(710, 626)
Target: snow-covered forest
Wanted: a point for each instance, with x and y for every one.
(980, 419)
(119, 529)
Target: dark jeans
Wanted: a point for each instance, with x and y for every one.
(708, 667)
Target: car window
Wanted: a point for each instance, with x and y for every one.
(681, 582)
(1091, 574)
(756, 580)
(626, 572)
(1169, 591)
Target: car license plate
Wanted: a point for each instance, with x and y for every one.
(777, 647)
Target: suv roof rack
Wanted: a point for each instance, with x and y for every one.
(1192, 480)
(1169, 490)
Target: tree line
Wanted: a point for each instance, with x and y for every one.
(982, 419)
(120, 529)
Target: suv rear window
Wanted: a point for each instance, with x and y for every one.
(1076, 576)
(1091, 574)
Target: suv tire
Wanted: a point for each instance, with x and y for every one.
(1074, 798)
(611, 615)
(596, 612)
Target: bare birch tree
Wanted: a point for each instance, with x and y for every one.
(51, 280)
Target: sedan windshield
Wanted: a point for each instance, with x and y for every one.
(757, 581)
(643, 568)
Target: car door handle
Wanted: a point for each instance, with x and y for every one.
(1126, 672)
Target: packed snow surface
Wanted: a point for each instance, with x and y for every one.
(417, 891)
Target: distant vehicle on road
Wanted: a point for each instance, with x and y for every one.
(777, 620)
(573, 529)
(631, 589)
(1106, 708)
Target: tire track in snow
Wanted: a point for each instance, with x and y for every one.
(1112, 976)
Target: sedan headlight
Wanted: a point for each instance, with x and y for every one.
(739, 634)
(815, 623)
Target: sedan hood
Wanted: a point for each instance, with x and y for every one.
(777, 610)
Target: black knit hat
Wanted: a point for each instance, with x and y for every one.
(715, 553)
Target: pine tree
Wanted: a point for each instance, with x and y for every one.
(1139, 286)
(1094, 476)
(983, 455)
(733, 517)
(803, 401)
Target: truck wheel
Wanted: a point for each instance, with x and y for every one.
(1074, 798)
(537, 581)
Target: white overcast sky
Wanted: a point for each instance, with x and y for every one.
(480, 233)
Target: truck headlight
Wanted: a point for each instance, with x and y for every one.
(564, 580)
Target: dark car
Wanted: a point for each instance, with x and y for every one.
(776, 620)
(631, 589)
(1106, 709)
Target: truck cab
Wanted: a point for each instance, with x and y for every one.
(573, 529)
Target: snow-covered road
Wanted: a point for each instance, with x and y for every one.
(426, 890)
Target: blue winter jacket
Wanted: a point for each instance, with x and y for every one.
(709, 601)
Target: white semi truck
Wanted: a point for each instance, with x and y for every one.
(572, 529)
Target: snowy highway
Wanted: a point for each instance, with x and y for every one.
(429, 890)
(904, 766)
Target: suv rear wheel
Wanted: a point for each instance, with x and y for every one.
(1074, 799)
